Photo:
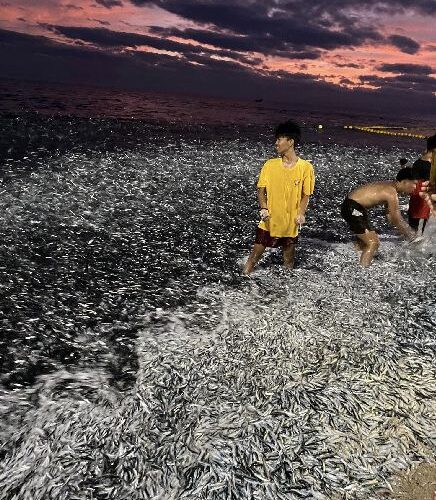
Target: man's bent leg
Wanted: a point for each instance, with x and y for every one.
(371, 242)
(254, 258)
(288, 256)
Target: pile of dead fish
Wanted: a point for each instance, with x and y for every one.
(137, 363)
(309, 385)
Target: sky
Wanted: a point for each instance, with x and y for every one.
(340, 53)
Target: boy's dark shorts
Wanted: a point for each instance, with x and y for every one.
(356, 216)
(264, 238)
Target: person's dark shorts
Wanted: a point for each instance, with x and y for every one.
(356, 216)
(264, 238)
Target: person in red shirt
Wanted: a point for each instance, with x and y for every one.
(418, 208)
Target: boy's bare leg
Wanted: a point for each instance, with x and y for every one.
(288, 256)
(254, 258)
(371, 242)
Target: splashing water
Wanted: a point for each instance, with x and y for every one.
(428, 245)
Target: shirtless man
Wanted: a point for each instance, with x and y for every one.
(354, 211)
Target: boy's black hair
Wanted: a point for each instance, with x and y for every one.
(289, 129)
(403, 161)
(431, 142)
(406, 174)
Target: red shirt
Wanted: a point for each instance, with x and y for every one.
(418, 208)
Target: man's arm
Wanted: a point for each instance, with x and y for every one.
(301, 217)
(393, 215)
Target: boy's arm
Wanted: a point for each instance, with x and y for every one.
(261, 196)
(301, 217)
(261, 192)
(394, 217)
(308, 186)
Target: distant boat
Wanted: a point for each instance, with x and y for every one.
(258, 100)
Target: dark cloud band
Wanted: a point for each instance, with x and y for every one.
(414, 69)
(287, 26)
(404, 43)
(109, 3)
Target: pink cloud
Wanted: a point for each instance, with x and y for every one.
(30, 17)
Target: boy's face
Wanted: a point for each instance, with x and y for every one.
(283, 144)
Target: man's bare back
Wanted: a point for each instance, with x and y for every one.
(375, 193)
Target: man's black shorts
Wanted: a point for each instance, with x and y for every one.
(356, 216)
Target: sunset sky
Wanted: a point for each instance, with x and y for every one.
(336, 51)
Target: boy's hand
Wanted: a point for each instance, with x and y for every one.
(264, 214)
(300, 219)
(427, 192)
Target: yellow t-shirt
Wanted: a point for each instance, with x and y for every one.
(284, 189)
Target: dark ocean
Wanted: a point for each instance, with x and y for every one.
(125, 218)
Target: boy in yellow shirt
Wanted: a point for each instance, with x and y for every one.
(283, 190)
